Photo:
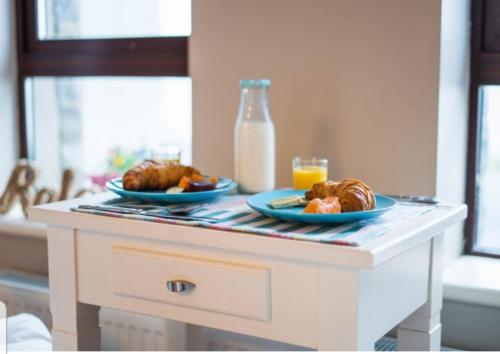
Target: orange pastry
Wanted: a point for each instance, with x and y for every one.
(329, 205)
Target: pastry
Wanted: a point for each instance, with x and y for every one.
(322, 190)
(329, 205)
(354, 195)
(154, 175)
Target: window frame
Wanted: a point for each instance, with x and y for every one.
(159, 56)
(484, 70)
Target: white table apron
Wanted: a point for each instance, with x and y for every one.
(315, 295)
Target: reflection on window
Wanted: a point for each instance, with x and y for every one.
(100, 126)
(86, 19)
(489, 170)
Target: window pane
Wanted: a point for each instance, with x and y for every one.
(489, 170)
(100, 126)
(86, 19)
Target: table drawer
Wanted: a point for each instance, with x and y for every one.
(227, 288)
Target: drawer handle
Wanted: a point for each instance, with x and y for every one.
(180, 286)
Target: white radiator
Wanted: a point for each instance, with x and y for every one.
(22, 292)
(209, 339)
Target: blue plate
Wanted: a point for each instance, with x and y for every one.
(260, 202)
(224, 186)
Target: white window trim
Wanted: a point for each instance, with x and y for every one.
(473, 280)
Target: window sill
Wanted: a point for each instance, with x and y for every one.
(15, 224)
(473, 280)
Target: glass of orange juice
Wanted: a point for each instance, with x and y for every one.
(308, 171)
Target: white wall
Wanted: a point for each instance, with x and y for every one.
(8, 108)
(453, 113)
(355, 81)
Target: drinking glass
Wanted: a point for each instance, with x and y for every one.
(308, 171)
(167, 153)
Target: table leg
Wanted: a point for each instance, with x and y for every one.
(75, 326)
(422, 329)
(342, 322)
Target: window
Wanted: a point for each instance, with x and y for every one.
(90, 19)
(75, 122)
(483, 181)
(98, 95)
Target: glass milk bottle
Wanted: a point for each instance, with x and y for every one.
(254, 139)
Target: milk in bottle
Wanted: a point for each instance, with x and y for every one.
(254, 143)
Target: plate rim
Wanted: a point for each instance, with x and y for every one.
(283, 213)
(112, 187)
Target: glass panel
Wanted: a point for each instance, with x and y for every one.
(87, 19)
(489, 170)
(101, 126)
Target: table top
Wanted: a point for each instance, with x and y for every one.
(368, 255)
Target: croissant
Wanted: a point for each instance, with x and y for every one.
(151, 175)
(322, 190)
(354, 195)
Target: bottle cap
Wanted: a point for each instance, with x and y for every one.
(255, 83)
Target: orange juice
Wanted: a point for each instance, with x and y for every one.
(305, 176)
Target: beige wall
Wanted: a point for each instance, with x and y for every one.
(355, 81)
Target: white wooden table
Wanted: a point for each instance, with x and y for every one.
(309, 294)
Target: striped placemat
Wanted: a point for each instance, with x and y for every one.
(242, 218)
